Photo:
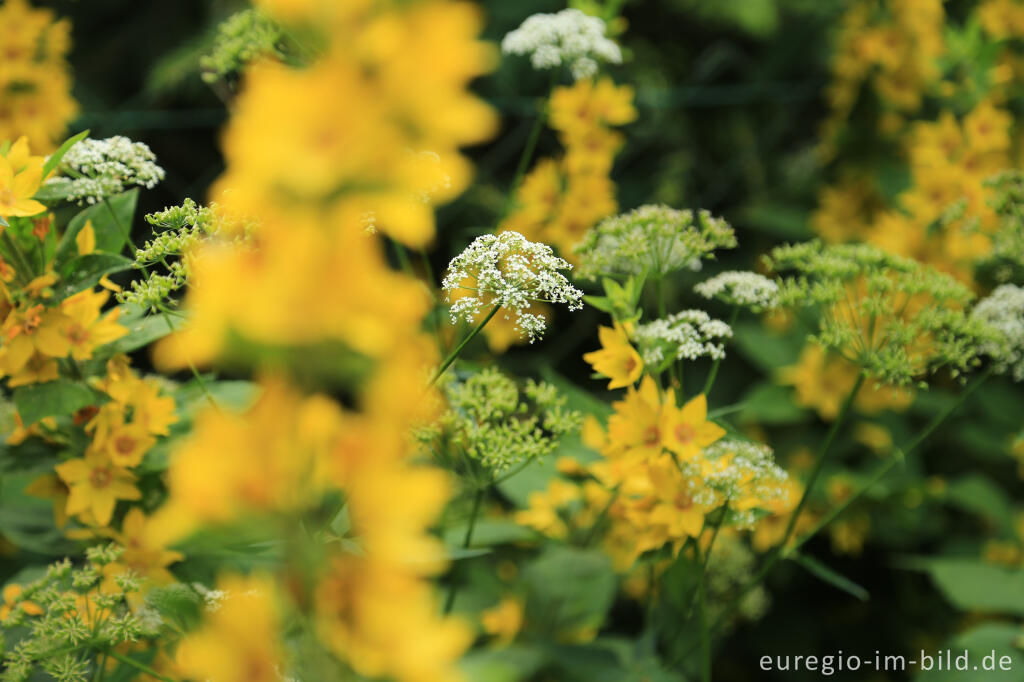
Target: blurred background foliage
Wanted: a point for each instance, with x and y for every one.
(731, 98)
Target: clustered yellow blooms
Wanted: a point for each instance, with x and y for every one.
(35, 336)
(35, 81)
(822, 380)
(122, 431)
(651, 481)
(895, 51)
(364, 139)
(369, 133)
(560, 199)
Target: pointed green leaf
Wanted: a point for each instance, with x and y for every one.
(55, 158)
(830, 576)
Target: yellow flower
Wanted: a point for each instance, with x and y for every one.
(51, 487)
(237, 642)
(17, 188)
(686, 430)
(503, 621)
(144, 554)
(85, 240)
(29, 331)
(96, 485)
(126, 444)
(988, 128)
(635, 427)
(617, 359)
(11, 592)
(37, 101)
(384, 622)
(78, 324)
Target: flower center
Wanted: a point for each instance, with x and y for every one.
(685, 433)
(100, 477)
(124, 444)
(651, 435)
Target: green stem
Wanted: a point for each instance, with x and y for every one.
(899, 455)
(531, 144)
(592, 533)
(880, 473)
(24, 270)
(191, 365)
(707, 554)
(458, 349)
(478, 498)
(718, 361)
(139, 666)
(705, 632)
(125, 232)
(819, 464)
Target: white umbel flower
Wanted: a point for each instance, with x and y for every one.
(741, 288)
(651, 239)
(685, 335)
(569, 37)
(745, 475)
(102, 168)
(1003, 312)
(510, 271)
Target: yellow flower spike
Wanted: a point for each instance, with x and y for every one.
(85, 240)
(96, 485)
(686, 430)
(617, 359)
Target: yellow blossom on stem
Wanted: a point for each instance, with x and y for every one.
(617, 359)
(96, 484)
(686, 431)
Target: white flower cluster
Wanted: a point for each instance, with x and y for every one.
(569, 37)
(212, 599)
(652, 239)
(102, 168)
(510, 271)
(1003, 313)
(741, 288)
(745, 474)
(685, 335)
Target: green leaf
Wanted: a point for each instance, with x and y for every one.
(54, 190)
(979, 495)
(112, 224)
(770, 403)
(600, 302)
(488, 532)
(141, 332)
(55, 158)
(830, 576)
(509, 664)
(176, 602)
(568, 589)
(53, 399)
(973, 585)
(985, 645)
(767, 350)
(85, 271)
(778, 220)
